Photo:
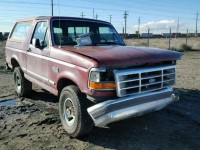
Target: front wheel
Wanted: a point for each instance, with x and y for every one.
(22, 85)
(73, 112)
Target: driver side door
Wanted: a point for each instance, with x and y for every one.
(37, 57)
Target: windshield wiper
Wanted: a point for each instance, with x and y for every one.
(111, 43)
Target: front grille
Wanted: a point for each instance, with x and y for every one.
(134, 81)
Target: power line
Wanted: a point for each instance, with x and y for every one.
(117, 10)
(21, 2)
(114, 10)
(139, 3)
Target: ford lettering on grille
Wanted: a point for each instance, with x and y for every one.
(152, 80)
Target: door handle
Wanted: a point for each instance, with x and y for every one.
(29, 50)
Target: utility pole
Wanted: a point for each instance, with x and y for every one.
(186, 42)
(82, 15)
(125, 19)
(51, 7)
(110, 17)
(148, 37)
(96, 16)
(170, 33)
(197, 17)
(93, 13)
(177, 29)
(123, 31)
(138, 27)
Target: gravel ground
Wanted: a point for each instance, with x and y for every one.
(33, 122)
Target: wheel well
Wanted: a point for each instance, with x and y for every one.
(63, 83)
(14, 63)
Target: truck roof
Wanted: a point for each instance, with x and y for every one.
(61, 17)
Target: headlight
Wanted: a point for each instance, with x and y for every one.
(97, 75)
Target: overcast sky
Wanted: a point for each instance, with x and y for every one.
(157, 15)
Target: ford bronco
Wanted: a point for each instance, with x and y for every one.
(84, 62)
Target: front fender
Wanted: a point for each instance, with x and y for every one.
(77, 76)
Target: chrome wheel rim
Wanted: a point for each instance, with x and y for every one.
(69, 112)
(17, 81)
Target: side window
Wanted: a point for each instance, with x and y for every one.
(41, 32)
(20, 31)
(71, 33)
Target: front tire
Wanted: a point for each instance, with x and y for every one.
(21, 84)
(73, 112)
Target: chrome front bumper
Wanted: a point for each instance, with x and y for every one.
(114, 110)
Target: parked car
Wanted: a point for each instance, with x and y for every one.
(85, 62)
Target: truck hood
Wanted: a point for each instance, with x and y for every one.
(126, 55)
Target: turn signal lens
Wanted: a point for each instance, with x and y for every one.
(95, 85)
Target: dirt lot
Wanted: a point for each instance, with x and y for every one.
(33, 122)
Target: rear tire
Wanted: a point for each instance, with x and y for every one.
(73, 112)
(21, 84)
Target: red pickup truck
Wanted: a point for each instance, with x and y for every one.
(85, 62)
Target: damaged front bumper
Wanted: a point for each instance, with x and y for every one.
(114, 110)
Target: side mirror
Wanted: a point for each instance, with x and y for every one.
(36, 43)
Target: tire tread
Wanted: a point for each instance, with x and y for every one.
(86, 124)
(26, 86)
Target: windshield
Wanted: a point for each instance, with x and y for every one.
(66, 32)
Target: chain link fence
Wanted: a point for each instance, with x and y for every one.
(184, 40)
(193, 43)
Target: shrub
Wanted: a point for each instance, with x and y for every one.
(173, 48)
(142, 44)
(186, 47)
